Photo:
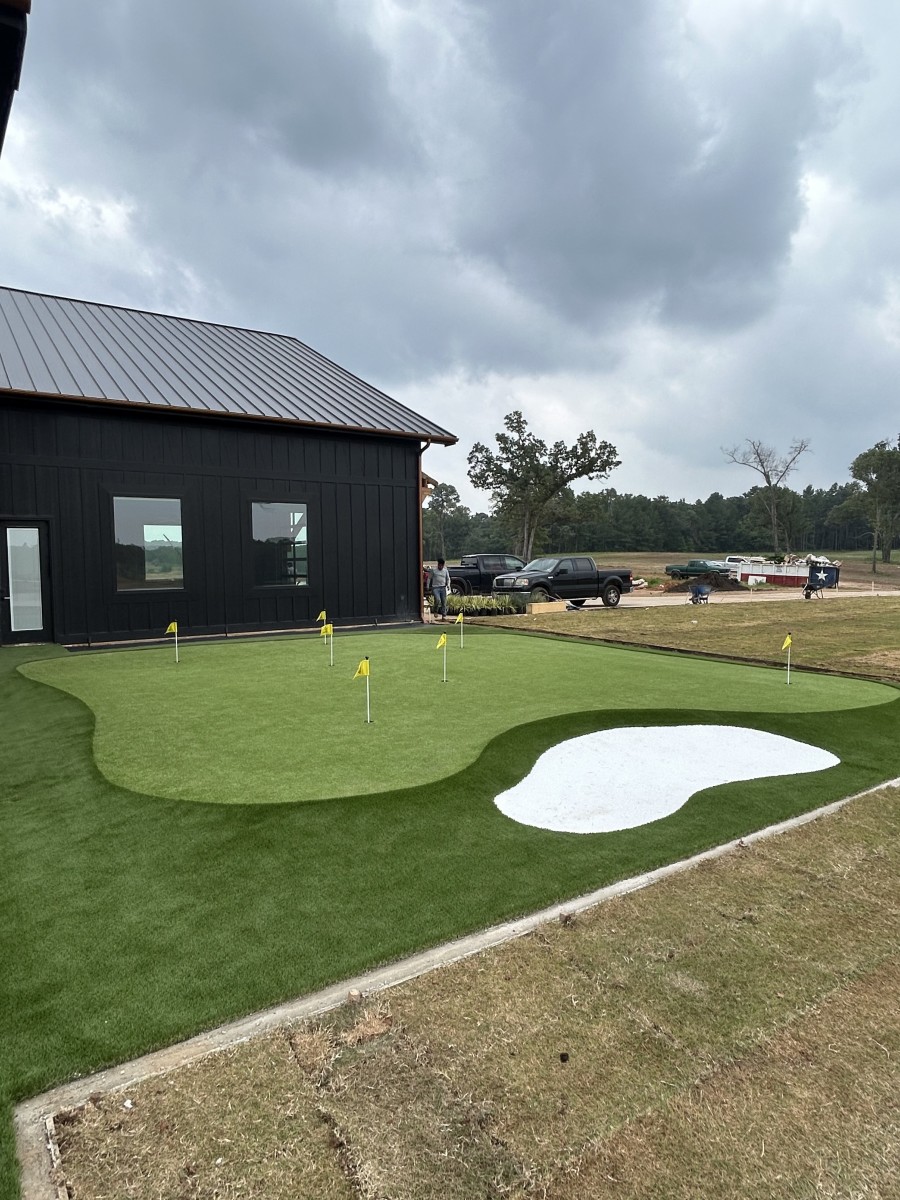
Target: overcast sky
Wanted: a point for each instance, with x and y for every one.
(674, 222)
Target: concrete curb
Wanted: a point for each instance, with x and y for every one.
(33, 1118)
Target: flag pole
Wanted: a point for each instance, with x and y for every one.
(172, 627)
(327, 631)
(444, 680)
(363, 670)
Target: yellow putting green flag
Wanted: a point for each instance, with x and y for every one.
(459, 620)
(787, 642)
(442, 641)
(321, 616)
(362, 669)
(326, 630)
(173, 627)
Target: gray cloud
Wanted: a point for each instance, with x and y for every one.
(672, 219)
(631, 166)
(212, 82)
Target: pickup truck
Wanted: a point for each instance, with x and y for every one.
(697, 566)
(476, 572)
(567, 577)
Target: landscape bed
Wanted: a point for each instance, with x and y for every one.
(138, 918)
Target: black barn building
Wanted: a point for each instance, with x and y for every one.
(157, 469)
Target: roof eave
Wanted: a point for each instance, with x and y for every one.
(441, 437)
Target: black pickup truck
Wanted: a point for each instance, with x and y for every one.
(570, 577)
(476, 572)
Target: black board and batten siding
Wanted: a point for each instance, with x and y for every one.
(62, 462)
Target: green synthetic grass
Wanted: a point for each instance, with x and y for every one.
(131, 920)
(274, 722)
(728, 1031)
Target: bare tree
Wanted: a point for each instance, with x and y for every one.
(772, 466)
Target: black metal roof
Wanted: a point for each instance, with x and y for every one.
(13, 31)
(76, 350)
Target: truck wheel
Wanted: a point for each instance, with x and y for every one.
(676, 574)
(611, 596)
(457, 588)
(540, 595)
(577, 603)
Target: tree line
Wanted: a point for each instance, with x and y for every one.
(534, 509)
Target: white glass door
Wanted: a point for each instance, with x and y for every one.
(24, 597)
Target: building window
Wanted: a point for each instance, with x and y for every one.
(279, 545)
(149, 550)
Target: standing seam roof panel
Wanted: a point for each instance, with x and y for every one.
(12, 361)
(298, 389)
(32, 362)
(155, 370)
(128, 380)
(370, 398)
(202, 341)
(156, 344)
(84, 365)
(51, 345)
(292, 392)
(39, 325)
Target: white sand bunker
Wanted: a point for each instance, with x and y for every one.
(619, 778)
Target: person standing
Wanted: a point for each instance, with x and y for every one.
(440, 585)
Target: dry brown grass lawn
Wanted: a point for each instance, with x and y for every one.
(812, 1111)
(731, 1032)
(858, 636)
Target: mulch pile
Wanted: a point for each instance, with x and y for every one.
(719, 583)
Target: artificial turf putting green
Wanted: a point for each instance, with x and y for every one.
(131, 920)
(273, 722)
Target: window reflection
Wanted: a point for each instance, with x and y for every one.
(149, 550)
(280, 555)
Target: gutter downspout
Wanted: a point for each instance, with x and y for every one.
(420, 556)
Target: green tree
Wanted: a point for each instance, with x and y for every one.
(792, 519)
(592, 515)
(671, 524)
(562, 530)
(524, 474)
(486, 535)
(878, 470)
(774, 469)
(716, 524)
(437, 516)
(827, 528)
(849, 518)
